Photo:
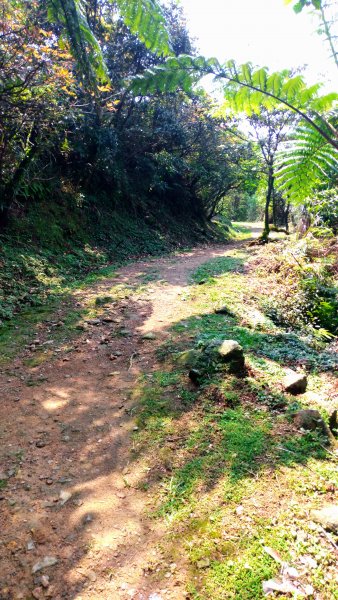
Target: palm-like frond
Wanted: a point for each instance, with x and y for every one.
(146, 20)
(247, 88)
(83, 43)
(305, 163)
(143, 17)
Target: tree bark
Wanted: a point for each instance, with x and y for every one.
(269, 195)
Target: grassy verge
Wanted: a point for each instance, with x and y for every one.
(46, 258)
(228, 471)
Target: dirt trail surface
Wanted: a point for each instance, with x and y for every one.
(74, 518)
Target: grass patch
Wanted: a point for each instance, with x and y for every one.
(232, 475)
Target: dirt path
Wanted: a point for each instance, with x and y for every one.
(73, 492)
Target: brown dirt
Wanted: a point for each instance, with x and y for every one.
(72, 487)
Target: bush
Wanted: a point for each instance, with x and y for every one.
(307, 297)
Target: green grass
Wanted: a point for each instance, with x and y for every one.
(221, 462)
(217, 266)
(228, 446)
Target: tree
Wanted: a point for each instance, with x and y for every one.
(36, 80)
(80, 19)
(270, 128)
(251, 90)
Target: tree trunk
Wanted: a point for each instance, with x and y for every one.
(286, 215)
(269, 195)
(274, 209)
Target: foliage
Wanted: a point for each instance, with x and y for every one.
(249, 90)
(308, 299)
(143, 17)
(323, 208)
(98, 139)
(36, 88)
(306, 148)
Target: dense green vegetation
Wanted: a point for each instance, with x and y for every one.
(92, 171)
(112, 150)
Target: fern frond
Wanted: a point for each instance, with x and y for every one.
(263, 89)
(83, 43)
(305, 163)
(146, 20)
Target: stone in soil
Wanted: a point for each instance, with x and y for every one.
(188, 358)
(295, 383)
(224, 350)
(149, 336)
(310, 420)
(224, 310)
(333, 423)
(327, 517)
(47, 561)
(228, 352)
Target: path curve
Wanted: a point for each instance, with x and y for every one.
(73, 493)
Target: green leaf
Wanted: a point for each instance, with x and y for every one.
(146, 20)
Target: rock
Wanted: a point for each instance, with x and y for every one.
(224, 310)
(284, 586)
(38, 593)
(149, 336)
(45, 581)
(203, 563)
(195, 376)
(41, 443)
(310, 420)
(64, 497)
(40, 533)
(327, 517)
(333, 424)
(47, 561)
(30, 545)
(127, 333)
(188, 358)
(89, 517)
(225, 350)
(295, 383)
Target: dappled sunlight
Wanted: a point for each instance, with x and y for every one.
(125, 435)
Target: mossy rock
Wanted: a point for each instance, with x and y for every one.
(188, 358)
(224, 351)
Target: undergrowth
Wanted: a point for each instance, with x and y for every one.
(228, 471)
(306, 294)
(52, 248)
